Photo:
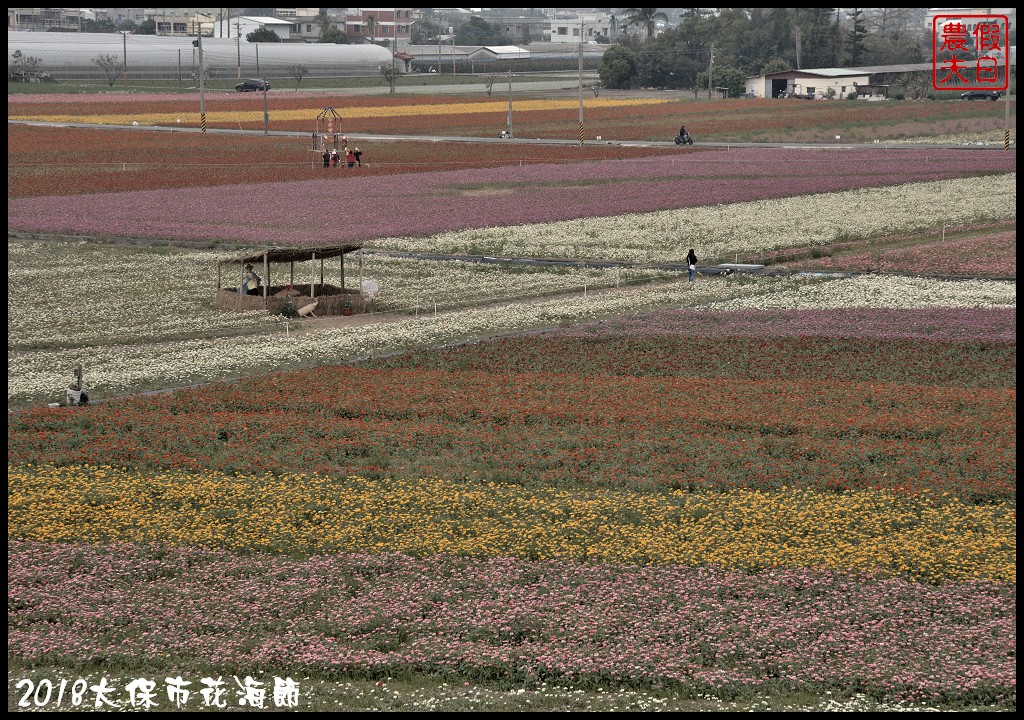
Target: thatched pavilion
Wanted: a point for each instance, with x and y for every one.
(275, 291)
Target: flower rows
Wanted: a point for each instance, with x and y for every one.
(709, 631)
(74, 293)
(38, 374)
(252, 115)
(171, 291)
(599, 409)
(989, 254)
(927, 538)
(604, 211)
(751, 120)
(75, 161)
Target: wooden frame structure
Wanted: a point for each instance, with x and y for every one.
(331, 299)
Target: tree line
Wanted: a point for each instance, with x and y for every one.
(735, 43)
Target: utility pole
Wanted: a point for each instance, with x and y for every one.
(202, 81)
(238, 47)
(266, 117)
(510, 135)
(124, 43)
(581, 83)
(711, 71)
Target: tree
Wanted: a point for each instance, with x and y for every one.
(371, 26)
(105, 25)
(895, 36)
(618, 68)
(816, 36)
(776, 64)
(424, 31)
(21, 63)
(733, 79)
(334, 35)
(647, 18)
(112, 67)
(477, 31)
(324, 21)
(146, 27)
(262, 35)
(297, 71)
(673, 59)
(856, 36)
(489, 83)
(390, 74)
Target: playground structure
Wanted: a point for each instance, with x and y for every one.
(327, 135)
(330, 299)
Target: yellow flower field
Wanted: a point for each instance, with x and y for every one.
(380, 111)
(923, 538)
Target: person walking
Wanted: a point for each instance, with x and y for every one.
(691, 265)
(327, 158)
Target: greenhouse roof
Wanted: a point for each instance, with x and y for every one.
(60, 50)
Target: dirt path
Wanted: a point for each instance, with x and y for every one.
(311, 325)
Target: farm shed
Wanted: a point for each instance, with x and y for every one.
(277, 288)
(72, 56)
(499, 52)
(805, 82)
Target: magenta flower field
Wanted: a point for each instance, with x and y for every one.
(427, 203)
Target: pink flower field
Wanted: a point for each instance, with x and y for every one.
(511, 620)
(436, 202)
(990, 255)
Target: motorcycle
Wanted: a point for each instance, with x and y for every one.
(686, 139)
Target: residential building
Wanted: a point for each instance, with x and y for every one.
(376, 24)
(45, 19)
(520, 29)
(567, 27)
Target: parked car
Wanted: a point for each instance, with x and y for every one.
(981, 95)
(252, 85)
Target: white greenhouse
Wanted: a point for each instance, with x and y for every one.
(82, 56)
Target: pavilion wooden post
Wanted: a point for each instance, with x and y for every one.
(291, 273)
(343, 272)
(312, 277)
(266, 277)
(218, 275)
(321, 274)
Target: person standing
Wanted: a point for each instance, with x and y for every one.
(359, 157)
(334, 158)
(350, 158)
(691, 265)
(327, 158)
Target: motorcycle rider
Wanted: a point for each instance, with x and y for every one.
(682, 132)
